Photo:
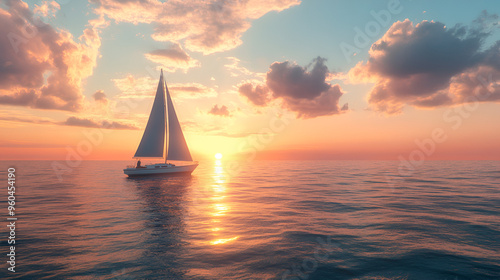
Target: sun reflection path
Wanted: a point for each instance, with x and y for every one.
(220, 207)
(222, 241)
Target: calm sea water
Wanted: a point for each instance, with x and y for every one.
(270, 220)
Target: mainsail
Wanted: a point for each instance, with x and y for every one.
(163, 130)
(153, 139)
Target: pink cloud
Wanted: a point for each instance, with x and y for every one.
(206, 26)
(43, 67)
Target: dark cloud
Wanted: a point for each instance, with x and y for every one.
(21, 98)
(429, 65)
(258, 95)
(82, 122)
(286, 79)
(100, 96)
(303, 90)
(40, 66)
(219, 111)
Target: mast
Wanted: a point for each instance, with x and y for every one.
(166, 118)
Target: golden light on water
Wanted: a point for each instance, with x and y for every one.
(219, 207)
(222, 241)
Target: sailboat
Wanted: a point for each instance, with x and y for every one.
(163, 138)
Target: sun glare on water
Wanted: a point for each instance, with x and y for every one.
(218, 155)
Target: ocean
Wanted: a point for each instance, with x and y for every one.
(256, 220)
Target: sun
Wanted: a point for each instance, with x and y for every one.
(218, 155)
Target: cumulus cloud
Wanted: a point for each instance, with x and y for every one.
(219, 111)
(40, 66)
(206, 26)
(430, 65)
(84, 122)
(173, 58)
(303, 90)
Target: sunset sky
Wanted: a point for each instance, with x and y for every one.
(287, 79)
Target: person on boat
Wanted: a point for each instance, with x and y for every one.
(138, 164)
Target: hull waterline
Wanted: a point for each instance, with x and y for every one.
(157, 170)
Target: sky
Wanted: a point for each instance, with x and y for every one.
(276, 79)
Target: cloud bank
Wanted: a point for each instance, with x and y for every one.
(42, 67)
(429, 65)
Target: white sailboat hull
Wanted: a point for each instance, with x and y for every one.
(160, 169)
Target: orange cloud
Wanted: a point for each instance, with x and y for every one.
(206, 26)
(43, 67)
